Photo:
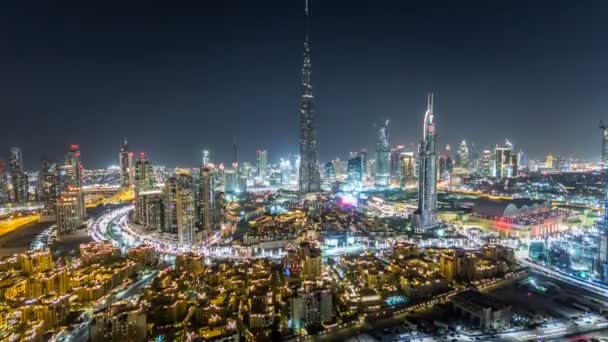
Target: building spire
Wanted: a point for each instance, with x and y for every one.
(430, 104)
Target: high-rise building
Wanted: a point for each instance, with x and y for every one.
(355, 169)
(149, 210)
(309, 177)
(205, 157)
(125, 160)
(144, 173)
(383, 157)
(408, 165)
(73, 158)
(425, 217)
(487, 163)
(179, 208)
(505, 161)
(445, 163)
(549, 161)
(262, 156)
(464, 156)
(48, 186)
(206, 199)
(396, 165)
(19, 179)
(330, 172)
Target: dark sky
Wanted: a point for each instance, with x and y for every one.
(173, 79)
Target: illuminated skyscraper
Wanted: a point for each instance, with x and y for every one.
(206, 199)
(425, 217)
(125, 159)
(506, 161)
(309, 178)
(18, 176)
(262, 166)
(383, 157)
(205, 157)
(179, 208)
(48, 186)
(549, 162)
(355, 169)
(464, 158)
(144, 172)
(73, 158)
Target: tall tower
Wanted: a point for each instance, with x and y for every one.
(206, 199)
(310, 179)
(425, 217)
(18, 176)
(125, 158)
(383, 157)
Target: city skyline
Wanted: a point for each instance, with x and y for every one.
(69, 77)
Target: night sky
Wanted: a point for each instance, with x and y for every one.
(174, 79)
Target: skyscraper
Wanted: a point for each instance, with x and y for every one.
(464, 158)
(47, 186)
(383, 157)
(73, 158)
(310, 179)
(144, 173)
(206, 199)
(125, 159)
(205, 157)
(425, 217)
(18, 177)
(262, 156)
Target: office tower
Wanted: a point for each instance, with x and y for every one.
(73, 158)
(262, 166)
(230, 181)
(122, 321)
(205, 157)
(179, 208)
(309, 177)
(285, 169)
(464, 158)
(48, 186)
(549, 161)
(144, 173)
(505, 161)
(219, 208)
(425, 217)
(408, 166)
(383, 157)
(125, 160)
(68, 213)
(396, 165)
(206, 199)
(487, 163)
(445, 163)
(235, 151)
(330, 172)
(149, 210)
(355, 169)
(171, 193)
(19, 179)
